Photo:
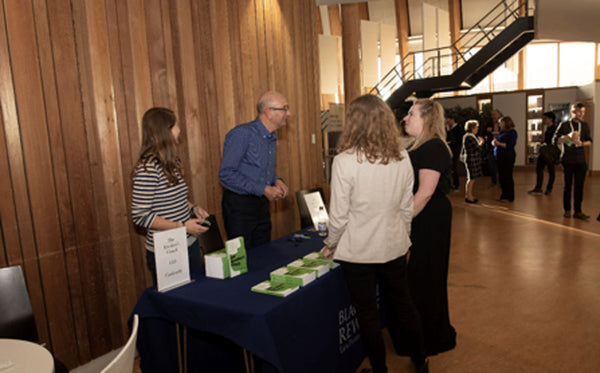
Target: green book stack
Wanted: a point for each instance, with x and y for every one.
(236, 251)
(319, 256)
(278, 289)
(227, 262)
(293, 276)
(320, 267)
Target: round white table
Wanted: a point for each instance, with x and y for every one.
(17, 356)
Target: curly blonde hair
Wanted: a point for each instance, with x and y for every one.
(370, 130)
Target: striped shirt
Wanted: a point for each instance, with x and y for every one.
(153, 196)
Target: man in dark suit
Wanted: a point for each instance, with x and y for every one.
(454, 136)
(574, 135)
(549, 126)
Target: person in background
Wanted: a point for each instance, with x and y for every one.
(549, 128)
(504, 151)
(574, 135)
(472, 150)
(454, 138)
(248, 175)
(160, 194)
(369, 224)
(491, 131)
(431, 226)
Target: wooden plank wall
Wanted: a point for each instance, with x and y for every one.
(75, 78)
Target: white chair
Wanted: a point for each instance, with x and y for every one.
(123, 362)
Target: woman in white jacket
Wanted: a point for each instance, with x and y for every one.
(369, 226)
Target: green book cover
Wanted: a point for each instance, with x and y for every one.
(320, 267)
(278, 289)
(217, 264)
(317, 255)
(236, 252)
(294, 276)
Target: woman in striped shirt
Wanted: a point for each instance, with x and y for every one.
(160, 195)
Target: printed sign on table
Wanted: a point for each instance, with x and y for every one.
(313, 203)
(171, 256)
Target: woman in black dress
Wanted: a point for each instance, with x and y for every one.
(430, 233)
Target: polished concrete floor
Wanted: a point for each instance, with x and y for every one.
(524, 283)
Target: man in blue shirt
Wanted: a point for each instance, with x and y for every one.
(248, 172)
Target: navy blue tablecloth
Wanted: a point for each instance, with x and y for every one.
(311, 330)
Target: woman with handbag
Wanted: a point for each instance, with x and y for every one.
(472, 153)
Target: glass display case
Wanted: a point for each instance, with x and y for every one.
(535, 109)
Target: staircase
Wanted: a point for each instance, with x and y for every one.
(499, 35)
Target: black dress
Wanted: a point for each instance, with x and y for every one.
(430, 251)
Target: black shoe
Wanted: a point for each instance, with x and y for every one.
(548, 192)
(598, 218)
(535, 191)
(580, 215)
(471, 201)
(567, 214)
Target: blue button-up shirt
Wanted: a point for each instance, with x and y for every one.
(249, 159)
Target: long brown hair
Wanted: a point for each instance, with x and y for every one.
(433, 116)
(370, 130)
(158, 142)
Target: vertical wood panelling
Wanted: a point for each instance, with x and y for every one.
(65, 123)
(156, 55)
(40, 188)
(75, 79)
(312, 94)
(207, 141)
(288, 154)
(106, 127)
(249, 61)
(131, 95)
(350, 50)
(100, 194)
(139, 53)
(189, 110)
(10, 156)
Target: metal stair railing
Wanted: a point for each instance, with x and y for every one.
(440, 60)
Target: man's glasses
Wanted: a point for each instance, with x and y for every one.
(284, 108)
